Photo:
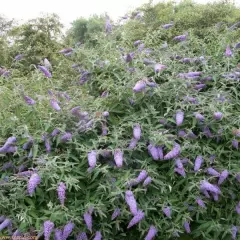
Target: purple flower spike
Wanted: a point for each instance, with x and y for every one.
(205, 192)
(105, 114)
(191, 135)
(33, 182)
(198, 163)
(167, 26)
(148, 61)
(147, 181)
(213, 172)
(228, 52)
(66, 50)
(137, 131)
(235, 143)
(29, 100)
(185, 161)
(55, 132)
(173, 153)
(206, 186)
(129, 57)
(207, 132)
(200, 203)
(180, 171)
(153, 151)
(199, 117)
(116, 213)
(180, 38)
(160, 152)
(223, 176)
(10, 141)
(6, 223)
(159, 67)
(28, 144)
(61, 191)
(142, 176)
(237, 45)
(8, 149)
(234, 232)
(108, 26)
(199, 86)
(179, 163)
(179, 118)
(215, 196)
(193, 74)
(118, 157)
(67, 230)
(48, 228)
(139, 86)
(141, 47)
(136, 219)
(187, 227)
(182, 133)
(218, 115)
(151, 84)
(66, 137)
(47, 64)
(167, 211)
(58, 234)
(98, 236)
(152, 232)
(19, 57)
(45, 71)
(190, 100)
(131, 201)
(137, 42)
(54, 104)
(82, 236)
(76, 111)
(88, 220)
(92, 159)
(133, 143)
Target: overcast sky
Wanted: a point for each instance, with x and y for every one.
(69, 10)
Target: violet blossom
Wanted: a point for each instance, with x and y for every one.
(29, 100)
(48, 228)
(61, 191)
(45, 71)
(33, 182)
(136, 219)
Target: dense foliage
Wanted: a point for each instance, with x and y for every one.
(169, 109)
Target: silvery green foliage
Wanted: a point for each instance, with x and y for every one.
(160, 107)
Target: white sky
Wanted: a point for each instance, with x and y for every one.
(69, 10)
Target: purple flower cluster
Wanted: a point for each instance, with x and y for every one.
(174, 152)
(33, 182)
(9, 146)
(131, 201)
(48, 227)
(68, 228)
(152, 232)
(116, 213)
(138, 217)
(156, 152)
(92, 159)
(45, 71)
(61, 191)
(141, 177)
(118, 157)
(88, 220)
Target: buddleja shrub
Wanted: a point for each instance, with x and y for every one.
(122, 141)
